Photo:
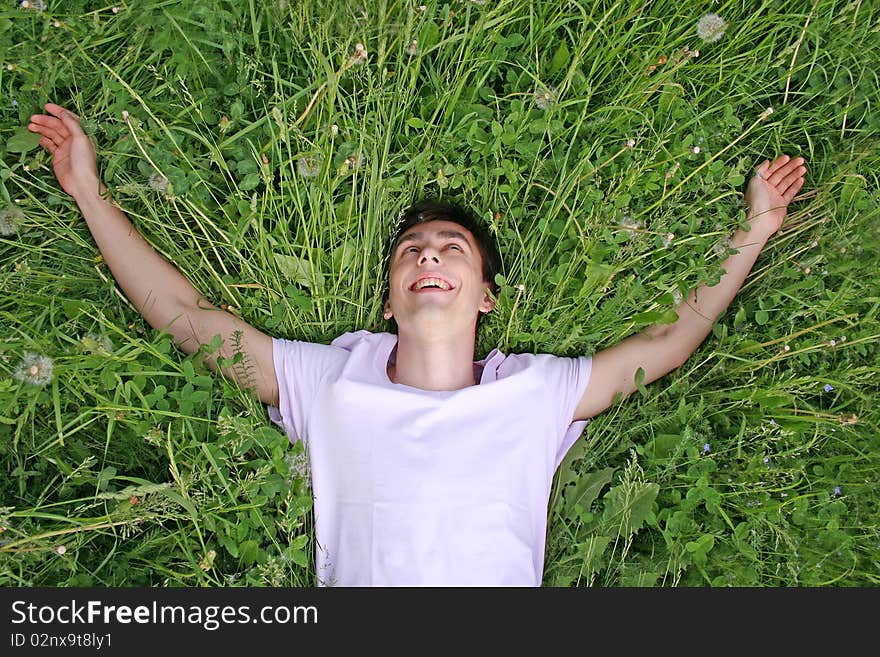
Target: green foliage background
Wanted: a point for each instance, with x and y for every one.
(135, 467)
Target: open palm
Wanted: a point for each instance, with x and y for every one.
(771, 190)
(73, 154)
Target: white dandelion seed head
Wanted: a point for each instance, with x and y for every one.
(711, 27)
(308, 167)
(334, 130)
(34, 369)
(545, 98)
(10, 219)
(359, 56)
(158, 182)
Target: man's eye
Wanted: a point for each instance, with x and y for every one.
(455, 246)
(411, 249)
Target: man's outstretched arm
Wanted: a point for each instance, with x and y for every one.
(159, 292)
(662, 348)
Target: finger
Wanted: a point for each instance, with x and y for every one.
(761, 171)
(49, 122)
(788, 181)
(68, 118)
(793, 189)
(780, 161)
(47, 131)
(784, 171)
(49, 145)
(57, 110)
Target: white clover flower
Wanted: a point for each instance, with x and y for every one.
(359, 56)
(97, 343)
(630, 143)
(355, 161)
(722, 247)
(10, 220)
(34, 369)
(308, 167)
(35, 5)
(668, 238)
(413, 48)
(711, 27)
(545, 98)
(60, 549)
(298, 464)
(158, 182)
(632, 227)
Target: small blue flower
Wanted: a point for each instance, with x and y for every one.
(828, 387)
(836, 491)
(14, 103)
(766, 459)
(772, 421)
(706, 448)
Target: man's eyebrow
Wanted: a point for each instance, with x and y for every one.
(412, 237)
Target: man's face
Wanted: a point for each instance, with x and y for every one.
(437, 276)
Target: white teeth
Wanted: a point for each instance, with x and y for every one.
(425, 282)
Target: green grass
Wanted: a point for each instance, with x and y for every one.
(135, 467)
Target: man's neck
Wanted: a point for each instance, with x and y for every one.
(433, 362)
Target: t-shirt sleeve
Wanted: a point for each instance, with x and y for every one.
(567, 379)
(301, 369)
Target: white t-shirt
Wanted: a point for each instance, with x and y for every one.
(427, 488)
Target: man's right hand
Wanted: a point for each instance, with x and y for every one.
(73, 154)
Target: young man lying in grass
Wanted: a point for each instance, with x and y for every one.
(428, 468)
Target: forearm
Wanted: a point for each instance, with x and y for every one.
(154, 286)
(698, 312)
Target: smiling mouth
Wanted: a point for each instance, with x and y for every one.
(426, 284)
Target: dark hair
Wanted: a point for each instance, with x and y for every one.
(434, 210)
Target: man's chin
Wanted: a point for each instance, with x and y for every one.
(433, 315)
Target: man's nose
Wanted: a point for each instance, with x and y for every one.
(429, 253)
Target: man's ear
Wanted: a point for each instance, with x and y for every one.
(488, 303)
(387, 312)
